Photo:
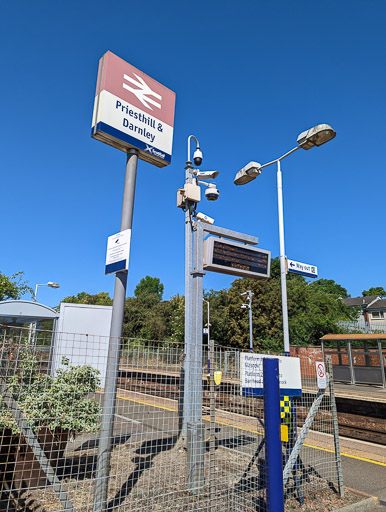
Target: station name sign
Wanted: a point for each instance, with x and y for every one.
(228, 257)
(132, 110)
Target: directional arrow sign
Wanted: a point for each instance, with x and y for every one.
(305, 269)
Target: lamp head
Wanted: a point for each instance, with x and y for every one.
(53, 285)
(316, 136)
(247, 173)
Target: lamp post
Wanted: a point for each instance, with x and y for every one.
(249, 306)
(32, 325)
(316, 136)
(50, 284)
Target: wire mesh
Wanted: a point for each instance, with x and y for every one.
(56, 383)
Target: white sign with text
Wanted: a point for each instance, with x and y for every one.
(252, 381)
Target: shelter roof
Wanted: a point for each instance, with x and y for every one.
(348, 337)
(23, 311)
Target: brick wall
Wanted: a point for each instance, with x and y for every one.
(308, 357)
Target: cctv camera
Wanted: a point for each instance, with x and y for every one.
(197, 157)
(212, 193)
(204, 218)
(206, 175)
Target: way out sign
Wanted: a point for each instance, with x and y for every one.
(305, 269)
(252, 381)
(132, 110)
(118, 252)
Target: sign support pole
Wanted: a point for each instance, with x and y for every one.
(110, 390)
(283, 274)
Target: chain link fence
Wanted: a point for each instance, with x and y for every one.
(50, 405)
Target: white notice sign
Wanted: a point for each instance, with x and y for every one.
(118, 252)
(321, 375)
(251, 369)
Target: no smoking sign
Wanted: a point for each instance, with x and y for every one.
(321, 375)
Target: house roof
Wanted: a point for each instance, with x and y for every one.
(379, 304)
(360, 301)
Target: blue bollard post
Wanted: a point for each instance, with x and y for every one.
(273, 454)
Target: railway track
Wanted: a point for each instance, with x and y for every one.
(364, 421)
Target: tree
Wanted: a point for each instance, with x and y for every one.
(177, 321)
(147, 318)
(98, 299)
(378, 290)
(331, 287)
(311, 311)
(13, 287)
(149, 285)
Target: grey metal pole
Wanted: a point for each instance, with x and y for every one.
(352, 371)
(195, 427)
(109, 399)
(283, 270)
(187, 392)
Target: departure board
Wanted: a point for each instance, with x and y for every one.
(228, 257)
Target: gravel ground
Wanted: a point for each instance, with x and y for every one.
(149, 476)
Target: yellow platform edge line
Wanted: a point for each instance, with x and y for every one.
(206, 418)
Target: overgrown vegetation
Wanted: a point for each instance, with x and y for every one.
(313, 308)
(59, 403)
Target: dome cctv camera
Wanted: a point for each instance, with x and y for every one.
(197, 157)
(212, 193)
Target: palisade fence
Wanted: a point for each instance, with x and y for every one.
(51, 394)
(355, 326)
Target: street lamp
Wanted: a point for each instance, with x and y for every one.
(316, 136)
(249, 294)
(50, 284)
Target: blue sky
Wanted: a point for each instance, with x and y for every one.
(248, 77)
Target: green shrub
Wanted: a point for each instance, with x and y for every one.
(59, 403)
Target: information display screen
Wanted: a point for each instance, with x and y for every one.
(230, 257)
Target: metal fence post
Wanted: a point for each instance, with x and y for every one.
(352, 372)
(382, 364)
(335, 426)
(273, 457)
